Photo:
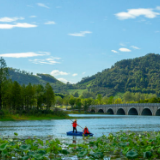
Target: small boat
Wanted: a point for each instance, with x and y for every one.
(71, 133)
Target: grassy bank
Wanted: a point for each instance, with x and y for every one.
(30, 117)
(6, 115)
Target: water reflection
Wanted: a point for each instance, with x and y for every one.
(97, 124)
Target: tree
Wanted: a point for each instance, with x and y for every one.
(3, 77)
(72, 101)
(49, 96)
(76, 94)
(86, 103)
(39, 96)
(16, 99)
(99, 98)
(118, 101)
(59, 100)
(78, 104)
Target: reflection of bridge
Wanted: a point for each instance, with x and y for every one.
(152, 109)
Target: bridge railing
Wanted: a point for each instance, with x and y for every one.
(125, 105)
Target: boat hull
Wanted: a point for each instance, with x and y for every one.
(71, 133)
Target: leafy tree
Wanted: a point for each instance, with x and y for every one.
(49, 96)
(118, 101)
(3, 77)
(78, 104)
(59, 100)
(16, 99)
(76, 94)
(99, 98)
(72, 101)
(39, 96)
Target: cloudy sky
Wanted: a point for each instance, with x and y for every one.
(72, 39)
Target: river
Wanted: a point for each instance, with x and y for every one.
(97, 124)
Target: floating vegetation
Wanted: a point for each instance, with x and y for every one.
(118, 146)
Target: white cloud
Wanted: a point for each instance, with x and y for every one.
(24, 55)
(114, 51)
(18, 25)
(50, 22)
(84, 73)
(158, 7)
(42, 5)
(124, 50)
(8, 19)
(50, 60)
(133, 13)
(57, 73)
(62, 79)
(157, 31)
(75, 74)
(122, 44)
(33, 16)
(58, 7)
(135, 47)
(80, 34)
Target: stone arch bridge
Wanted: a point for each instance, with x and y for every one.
(152, 109)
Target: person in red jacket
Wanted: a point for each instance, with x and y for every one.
(86, 131)
(74, 124)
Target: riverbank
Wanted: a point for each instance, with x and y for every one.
(18, 117)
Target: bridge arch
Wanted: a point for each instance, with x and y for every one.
(110, 111)
(146, 112)
(92, 111)
(158, 112)
(120, 111)
(132, 111)
(100, 111)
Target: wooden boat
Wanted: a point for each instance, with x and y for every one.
(71, 133)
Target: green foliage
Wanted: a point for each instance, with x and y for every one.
(134, 75)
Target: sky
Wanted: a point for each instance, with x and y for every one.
(72, 39)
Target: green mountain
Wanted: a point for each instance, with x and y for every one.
(136, 75)
(23, 77)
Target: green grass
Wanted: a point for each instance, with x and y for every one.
(10, 117)
(80, 91)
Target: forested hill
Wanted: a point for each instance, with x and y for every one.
(23, 77)
(136, 75)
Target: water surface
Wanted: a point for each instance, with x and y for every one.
(97, 124)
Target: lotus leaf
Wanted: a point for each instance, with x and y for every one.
(64, 151)
(26, 157)
(3, 146)
(147, 154)
(42, 152)
(131, 154)
(30, 153)
(124, 144)
(4, 152)
(24, 147)
(82, 154)
(97, 155)
(38, 156)
(16, 134)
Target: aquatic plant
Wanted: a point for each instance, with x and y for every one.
(123, 145)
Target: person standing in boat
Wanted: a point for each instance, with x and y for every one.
(74, 124)
(86, 131)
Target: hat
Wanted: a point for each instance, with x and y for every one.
(85, 126)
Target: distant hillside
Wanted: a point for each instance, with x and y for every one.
(136, 75)
(23, 77)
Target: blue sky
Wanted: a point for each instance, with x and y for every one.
(72, 39)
